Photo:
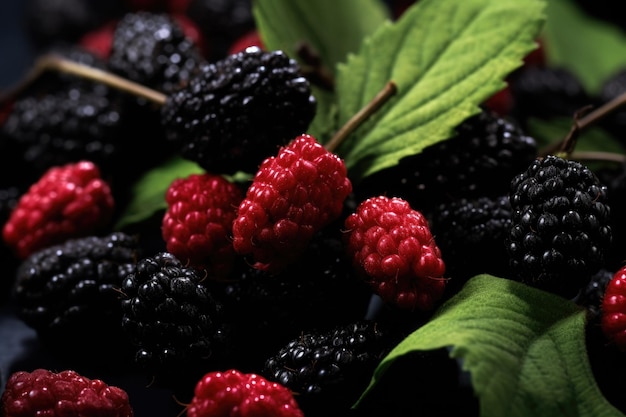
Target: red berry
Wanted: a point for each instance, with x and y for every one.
(614, 309)
(198, 222)
(391, 246)
(292, 196)
(68, 201)
(235, 394)
(67, 393)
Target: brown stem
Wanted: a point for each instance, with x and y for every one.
(599, 156)
(55, 62)
(580, 123)
(355, 121)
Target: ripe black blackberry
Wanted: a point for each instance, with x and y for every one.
(69, 294)
(51, 21)
(471, 235)
(546, 92)
(560, 231)
(66, 126)
(153, 50)
(328, 369)
(317, 291)
(240, 110)
(592, 294)
(172, 319)
(221, 22)
(480, 160)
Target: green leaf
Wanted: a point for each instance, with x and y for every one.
(331, 28)
(524, 348)
(592, 49)
(446, 57)
(149, 190)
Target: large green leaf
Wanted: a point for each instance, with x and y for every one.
(593, 49)
(524, 348)
(331, 28)
(446, 57)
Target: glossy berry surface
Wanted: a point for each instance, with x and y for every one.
(68, 201)
(198, 222)
(392, 247)
(233, 393)
(293, 195)
(67, 393)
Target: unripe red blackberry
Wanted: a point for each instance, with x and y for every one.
(392, 248)
(234, 393)
(57, 394)
(68, 201)
(197, 224)
(560, 228)
(293, 195)
(239, 111)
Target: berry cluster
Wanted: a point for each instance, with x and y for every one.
(266, 281)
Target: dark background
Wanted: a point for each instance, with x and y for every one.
(14, 44)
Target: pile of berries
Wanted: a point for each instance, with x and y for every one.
(267, 282)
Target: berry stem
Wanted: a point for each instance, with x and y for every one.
(599, 156)
(355, 121)
(55, 62)
(567, 144)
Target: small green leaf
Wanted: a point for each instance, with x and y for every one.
(149, 190)
(592, 49)
(524, 348)
(446, 57)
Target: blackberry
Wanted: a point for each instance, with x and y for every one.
(221, 22)
(471, 235)
(560, 226)
(318, 291)
(69, 294)
(239, 111)
(480, 160)
(172, 319)
(62, 127)
(153, 50)
(329, 369)
(546, 92)
(50, 21)
(592, 294)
